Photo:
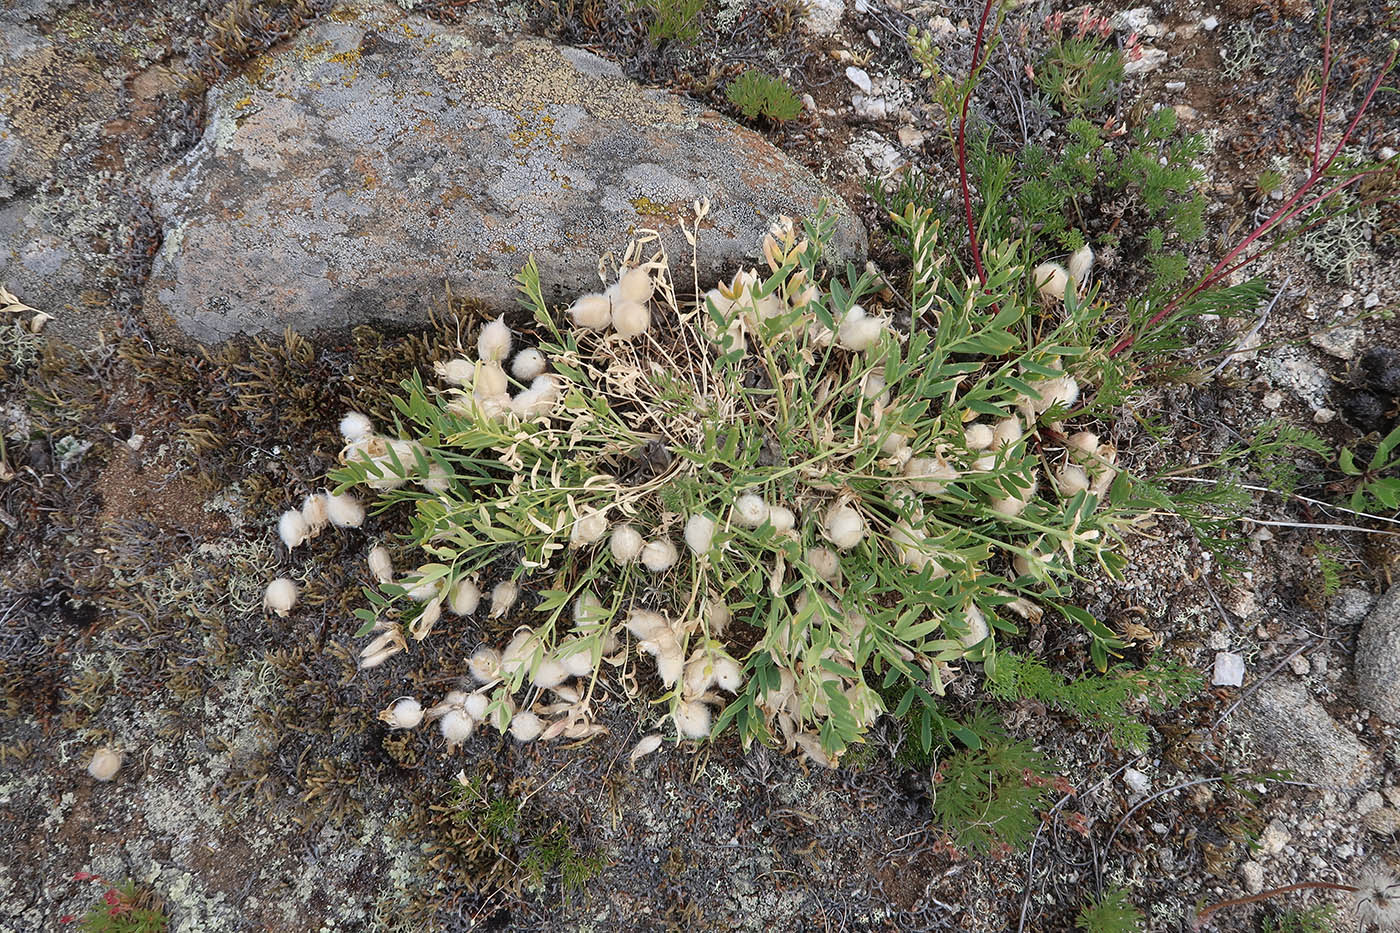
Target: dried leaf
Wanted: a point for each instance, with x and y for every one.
(645, 747)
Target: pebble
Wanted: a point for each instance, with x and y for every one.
(1273, 400)
(1392, 795)
(1324, 416)
(910, 137)
(1137, 781)
(858, 77)
(1151, 60)
(1371, 300)
(1229, 670)
(1210, 23)
(1186, 113)
(1369, 802)
(1273, 839)
(1300, 665)
(1176, 85)
(873, 37)
(1253, 874)
(1382, 822)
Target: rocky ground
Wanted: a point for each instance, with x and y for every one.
(155, 156)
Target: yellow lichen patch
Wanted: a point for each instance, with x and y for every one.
(646, 207)
(314, 50)
(533, 127)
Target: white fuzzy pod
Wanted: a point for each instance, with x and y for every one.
(1007, 432)
(1081, 263)
(538, 400)
(421, 592)
(750, 511)
(1062, 390)
(407, 713)
(589, 528)
(699, 534)
(692, 719)
(313, 512)
(978, 436)
(464, 597)
(859, 332)
(457, 372)
(381, 565)
(717, 616)
(578, 663)
(490, 381)
(527, 365)
(844, 527)
(493, 341)
(630, 319)
(824, 562)
(728, 674)
(588, 610)
(929, 475)
(1071, 479)
(456, 727)
(549, 673)
(355, 427)
(485, 664)
(1051, 280)
(593, 312)
(781, 518)
(977, 628)
(626, 544)
(280, 596)
(437, 480)
(526, 727)
(636, 285)
(105, 764)
(475, 706)
(1083, 442)
(344, 510)
(293, 529)
(659, 555)
(503, 597)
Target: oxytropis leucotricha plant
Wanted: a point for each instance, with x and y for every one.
(795, 510)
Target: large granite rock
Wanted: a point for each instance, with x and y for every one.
(1298, 733)
(1378, 658)
(347, 175)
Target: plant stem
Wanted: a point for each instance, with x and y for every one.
(1272, 892)
(1322, 92)
(962, 145)
(1286, 212)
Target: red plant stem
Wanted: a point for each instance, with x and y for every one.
(1322, 92)
(1301, 886)
(962, 146)
(1285, 213)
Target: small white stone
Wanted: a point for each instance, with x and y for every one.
(873, 37)
(1253, 874)
(1323, 416)
(1273, 400)
(858, 77)
(1229, 670)
(1176, 85)
(1137, 781)
(1210, 23)
(1371, 300)
(1300, 665)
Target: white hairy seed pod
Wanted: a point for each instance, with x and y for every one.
(578, 663)
(1011, 506)
(699, 673)
(421, 591)
(750, 511)
(549, 673)
(527, 365)
(593, 312)
(313, 512)
(692, 719)
(858, 332)
(630, 319)
(437, 480)
(1081, 263)
(355, 427)
(520, 651)
(493, 342)
(292, 529)
(1083, 442)
(503, 597)
(699, 534)
(985, 463)
(403, 713)
(381, 565)
(647, 625)
(1062, 390)
(929, 475)
(874, 385)
(501, 717)
(626, 544)
(978, 436)
(344, 510)
(485, 664)
(589, 528)
(1051, 280)
(781, 518)
(636, 285)
(456, 727)
(976, 624)
(526, 727)
(422, 626)
(490, 381)
(280, 597)
(464, 597)
(844, 527)
(475, 706)
(729, 675)
(659, 555)
(105, 764)
(824, 562)
(1007, 432)
(457, 372)
(538, 400)
(1071, 479)
(588, 611)
(717, 616)
(911, 544)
